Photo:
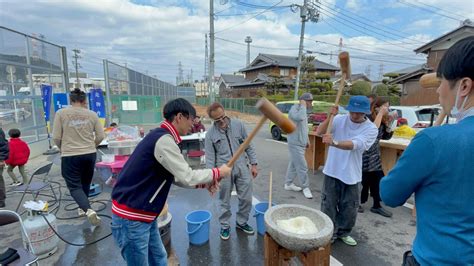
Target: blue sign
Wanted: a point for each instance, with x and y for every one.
(46, 91)
(97, 102)
(60, 101)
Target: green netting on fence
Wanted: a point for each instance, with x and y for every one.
(248, 105)
(136, 110)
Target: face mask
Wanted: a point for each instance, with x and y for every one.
(456, 112)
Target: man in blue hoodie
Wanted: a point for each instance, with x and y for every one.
(438, 166)
(145, 181)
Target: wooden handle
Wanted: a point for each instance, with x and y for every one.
(247, 141)
(270, 192)
(440, 119)
(342, 83)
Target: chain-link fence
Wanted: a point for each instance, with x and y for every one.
(136, 110)
(235, 104)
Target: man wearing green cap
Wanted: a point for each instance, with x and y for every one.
(351, 135)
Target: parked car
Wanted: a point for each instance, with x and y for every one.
(419, 117)
(318, 115)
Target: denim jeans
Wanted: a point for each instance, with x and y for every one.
(139, 242)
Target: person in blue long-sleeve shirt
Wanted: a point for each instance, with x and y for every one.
(438, 166)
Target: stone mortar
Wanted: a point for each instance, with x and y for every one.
(298, 242)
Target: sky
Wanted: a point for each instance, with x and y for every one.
(153, 36)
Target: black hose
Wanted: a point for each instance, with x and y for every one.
(74, 244)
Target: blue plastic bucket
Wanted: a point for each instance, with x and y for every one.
(198, 226)
(260, 210)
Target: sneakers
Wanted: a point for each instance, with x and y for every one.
(381, 211)
(225, 233)
(80, 212)
(307, 193)
(16, 184)
(360, 209)
(246, 228)
(292, 187)
(348, 240)
(93, 218)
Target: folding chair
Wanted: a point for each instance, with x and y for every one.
(35, 187)
(27, 256)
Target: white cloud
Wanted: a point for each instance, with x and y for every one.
(353, 4)
(389, 20)
(422, 23)
(156, 38)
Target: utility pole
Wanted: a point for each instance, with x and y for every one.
(76, 65)
(206, 60)
(308, 11)
(211, 56)
(381, 71)
(180, 74)
(368, 70)
(248, 40)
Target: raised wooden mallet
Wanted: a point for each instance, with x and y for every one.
(270, 112)
(431, 81)
(346, 74)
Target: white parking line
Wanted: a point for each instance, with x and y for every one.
(277, 141)
(332, 261)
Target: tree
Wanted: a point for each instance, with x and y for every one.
(275, 84)
(307, 64)
(381, 90)
(323, 76)
(360, 87)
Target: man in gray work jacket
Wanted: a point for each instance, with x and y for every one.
(222, 141)
(298, 142)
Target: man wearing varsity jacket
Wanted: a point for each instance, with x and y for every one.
(145, 181)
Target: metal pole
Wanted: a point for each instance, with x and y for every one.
(303, 10)
(211, 56)
(107, 91)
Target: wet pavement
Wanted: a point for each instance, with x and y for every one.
(382, 241)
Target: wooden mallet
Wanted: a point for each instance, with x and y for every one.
(346, 74)
(431, 81)
(270, 112)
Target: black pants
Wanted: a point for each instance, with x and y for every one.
(409, 259)
(78, 172)
(2, 186)
(371, 180)
(339, 201)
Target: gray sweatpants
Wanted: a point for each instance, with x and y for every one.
(242, 180)
(340, 202)
(297, 166)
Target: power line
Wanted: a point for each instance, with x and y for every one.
(428, 10)
(339, 18)
(363, 50)
(245, 21)
(357, 41)
(256, 46)
(438, 8)
(392, 32)
(260, 6)
(365, 58)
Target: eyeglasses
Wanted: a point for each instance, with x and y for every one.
(221, 120)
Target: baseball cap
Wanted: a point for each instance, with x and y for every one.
(359, 104)
(306, 96)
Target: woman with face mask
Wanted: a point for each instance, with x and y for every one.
(438, 166)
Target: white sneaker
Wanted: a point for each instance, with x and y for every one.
(307, 193)
(292, 187)
(93, 218)
(80, 212)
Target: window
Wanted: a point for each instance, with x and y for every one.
(284, 72)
